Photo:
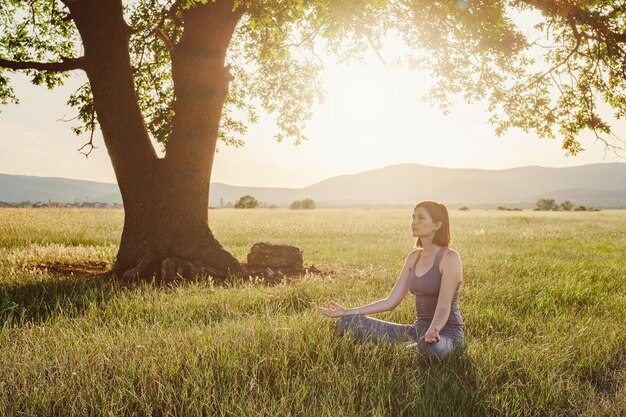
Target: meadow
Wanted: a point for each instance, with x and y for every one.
(544, 304)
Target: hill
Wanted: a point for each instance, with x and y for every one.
(599, 185)
(17, 188)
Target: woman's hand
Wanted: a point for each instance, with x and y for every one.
(333, 310)
(431, 336)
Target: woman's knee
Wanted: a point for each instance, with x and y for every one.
(345, 322)
(440, 349)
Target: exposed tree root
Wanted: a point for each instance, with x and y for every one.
(144, 268)
(176, 268)
(172, 268)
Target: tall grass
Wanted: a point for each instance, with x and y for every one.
(543, 301)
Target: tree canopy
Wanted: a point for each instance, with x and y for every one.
(473, 48)
(247, 202)
(307, 204)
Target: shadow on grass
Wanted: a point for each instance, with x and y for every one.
(609, 382)
(64, 290)
(67, 290)
(448, 387)
(424, 385)
(38, 302)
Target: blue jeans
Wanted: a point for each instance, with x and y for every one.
(365, 328)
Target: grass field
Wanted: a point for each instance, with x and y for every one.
(544, 303)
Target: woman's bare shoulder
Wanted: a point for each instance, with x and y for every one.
(451, 256)
(414, 253)
(412, 256)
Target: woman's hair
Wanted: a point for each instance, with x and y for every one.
(439, 213)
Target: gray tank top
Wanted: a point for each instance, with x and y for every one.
(426, 291)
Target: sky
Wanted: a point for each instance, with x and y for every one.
(371, 117)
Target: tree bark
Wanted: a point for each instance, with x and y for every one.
(166, 232)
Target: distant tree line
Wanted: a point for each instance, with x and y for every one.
(546, 204)
(54, 204)
(306, 204)
(550, 204)
(249, 202)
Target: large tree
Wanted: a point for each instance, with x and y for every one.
(180, 71)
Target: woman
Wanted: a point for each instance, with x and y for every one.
(433, 273)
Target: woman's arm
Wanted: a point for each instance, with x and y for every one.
(451, 275)
(395, 297)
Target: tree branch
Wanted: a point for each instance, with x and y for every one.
(163, 36)
(66, 64)
(92, 124)
(171, 13)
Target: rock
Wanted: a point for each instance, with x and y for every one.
(276, 257)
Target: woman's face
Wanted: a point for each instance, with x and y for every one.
(422, 224)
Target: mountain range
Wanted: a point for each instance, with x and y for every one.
(599, 185)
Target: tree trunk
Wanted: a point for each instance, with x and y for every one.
(166, 230)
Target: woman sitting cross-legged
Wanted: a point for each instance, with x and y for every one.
(434, 274)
